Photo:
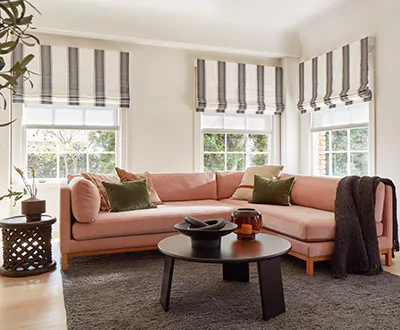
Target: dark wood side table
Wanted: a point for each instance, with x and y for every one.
(234, 255)
(26, 246)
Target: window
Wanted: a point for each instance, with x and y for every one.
(341, 152)
(341, 141)
(234, 152)
(233, 143)
(68, 140)
(55, 153)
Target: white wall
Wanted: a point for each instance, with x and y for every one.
(358, 19)
(4, 157)
(290, 130)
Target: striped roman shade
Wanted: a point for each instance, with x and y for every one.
(75, 76)
(338, 77)
(238, 87)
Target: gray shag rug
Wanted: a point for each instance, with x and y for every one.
(123, 291)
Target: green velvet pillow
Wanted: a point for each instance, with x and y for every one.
(275, 192)
(127, 196)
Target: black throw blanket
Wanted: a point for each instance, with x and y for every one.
(356, 241)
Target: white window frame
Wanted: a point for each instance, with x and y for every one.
(18, 141)
(331, 152)
(371, 140)
(199, 139)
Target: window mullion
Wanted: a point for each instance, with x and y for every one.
(348, 152)
(87, 152)
(225, 155)
(330, 155)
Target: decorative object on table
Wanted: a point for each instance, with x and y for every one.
(16, 22)
(33, 207)
(26, 246)
(205, 234)
(274, 192)
(248, 221)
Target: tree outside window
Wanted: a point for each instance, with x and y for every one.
(234, 152)
(341, 152)
(57, 153)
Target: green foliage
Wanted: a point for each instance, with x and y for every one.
(46, 165)
(258, 159)
(214, 142)
(214, 162)
(16, 195)
(359, 163)
(236, 162)
(236, 142)
(349, 147)
(242, 150)
(258, 143)
(339, 140)
(15, 27)
(339, 164)
(72, 151)
(72, 164)
(102, 141)
(359, 139)
(102, 163)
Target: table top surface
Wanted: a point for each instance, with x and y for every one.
(265, 246)
(20, 221)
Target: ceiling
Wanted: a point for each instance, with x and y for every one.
(253, 27)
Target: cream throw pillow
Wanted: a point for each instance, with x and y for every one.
(244, 191)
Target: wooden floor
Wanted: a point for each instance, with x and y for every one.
(37, 302)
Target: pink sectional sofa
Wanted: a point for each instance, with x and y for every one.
(309, 223)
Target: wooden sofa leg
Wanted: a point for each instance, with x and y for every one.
(310, 267)
(388, 257)
(64, 261)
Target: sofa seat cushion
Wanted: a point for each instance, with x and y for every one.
(150, 221)
(303, 223)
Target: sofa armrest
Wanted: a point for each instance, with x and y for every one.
(387, 216)
(65, 219)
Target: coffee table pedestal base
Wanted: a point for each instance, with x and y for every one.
(269, 276)
(238, 272)
(271, 288)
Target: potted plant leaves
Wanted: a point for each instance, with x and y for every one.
(32, 207)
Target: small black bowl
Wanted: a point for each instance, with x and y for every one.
(205, 239)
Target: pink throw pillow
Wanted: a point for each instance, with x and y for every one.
(85, 199)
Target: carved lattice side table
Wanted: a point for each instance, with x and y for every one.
(26, 246)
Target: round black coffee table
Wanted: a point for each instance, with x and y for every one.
(234, 255)
(26, 246)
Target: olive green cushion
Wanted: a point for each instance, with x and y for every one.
(127, 196)
(275, 192)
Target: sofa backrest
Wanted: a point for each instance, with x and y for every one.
(185, 186)
(320, 193)
(227, 183)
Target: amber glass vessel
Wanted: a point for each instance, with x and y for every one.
(249, 222)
